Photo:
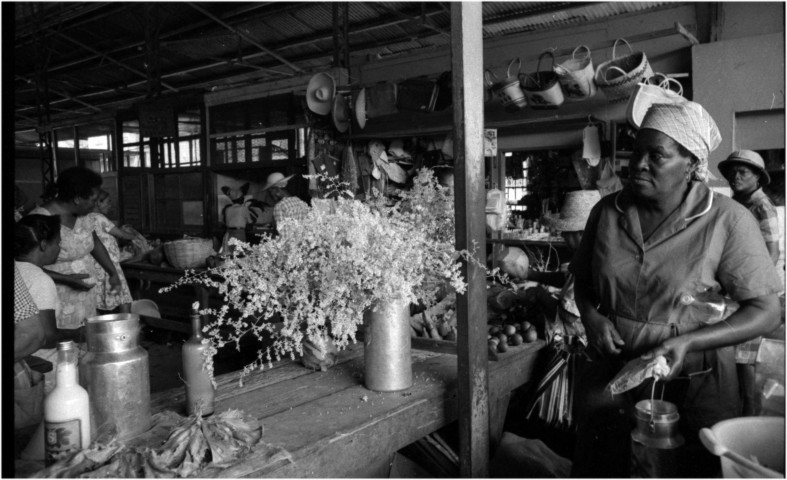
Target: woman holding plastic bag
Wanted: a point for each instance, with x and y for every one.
(647, 251)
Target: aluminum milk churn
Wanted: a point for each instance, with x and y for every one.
(116, 374)
(655, 442)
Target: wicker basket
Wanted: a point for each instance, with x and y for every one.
(618, 77)
(188, 252)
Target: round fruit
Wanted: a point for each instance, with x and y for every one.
(516, 339)
(531, 335)
(494, 329)
(502, 337)
(526, 325)
(493, 341)
(509, 330)
(502, 347)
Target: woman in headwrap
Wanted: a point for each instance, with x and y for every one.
(646, 253)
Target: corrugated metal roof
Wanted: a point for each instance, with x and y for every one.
(98, 58)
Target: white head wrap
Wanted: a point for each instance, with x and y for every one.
(691, 126)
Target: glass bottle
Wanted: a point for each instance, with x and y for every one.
(66, 409)
(199, 388)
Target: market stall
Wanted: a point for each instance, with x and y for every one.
(430, 193)
(327, 424)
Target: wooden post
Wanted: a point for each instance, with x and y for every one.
(468, 97)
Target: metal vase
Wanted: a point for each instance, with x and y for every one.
(387, 360)
(116, 374)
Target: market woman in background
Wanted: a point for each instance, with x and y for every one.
(109, 299)
(75, 195)
(647, 251)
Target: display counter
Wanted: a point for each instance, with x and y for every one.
(327, 424)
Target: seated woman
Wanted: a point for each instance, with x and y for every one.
(28, 337)
(37, 243)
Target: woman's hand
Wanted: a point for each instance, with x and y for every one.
(602, 334)
(674, 350)
(76, 281)
(114, 283)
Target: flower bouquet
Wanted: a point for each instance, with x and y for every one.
(315, 280)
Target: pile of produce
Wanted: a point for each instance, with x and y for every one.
(194, 443)
(500, 337)
(437, 322)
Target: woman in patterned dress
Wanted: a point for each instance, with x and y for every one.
(73, 271)
(107, 231)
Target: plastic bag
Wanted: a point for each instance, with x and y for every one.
(608, 181)
(637, 371)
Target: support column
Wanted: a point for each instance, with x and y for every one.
(468, 101)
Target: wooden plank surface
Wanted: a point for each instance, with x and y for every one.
(327, 424)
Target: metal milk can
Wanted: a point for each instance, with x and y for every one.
(655, 442)
(116, 374)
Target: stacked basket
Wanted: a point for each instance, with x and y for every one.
(188, 252)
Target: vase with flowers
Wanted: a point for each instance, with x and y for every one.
(317, 279)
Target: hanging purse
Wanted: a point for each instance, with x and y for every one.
(417, 94)
(509, 91)
(576, 75)
(381, 100)
(542, 88)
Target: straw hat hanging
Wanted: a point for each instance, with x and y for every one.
(320, 92)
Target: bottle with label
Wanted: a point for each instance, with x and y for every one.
(66, 409)
(199, 388)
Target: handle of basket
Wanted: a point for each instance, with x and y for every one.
(488, 75)
(511, 64)
(546, 52)
(587, 50)
(655, 79)
(615, 45)
(668, 81)
(613, 68)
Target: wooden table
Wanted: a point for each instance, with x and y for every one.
(327, 424)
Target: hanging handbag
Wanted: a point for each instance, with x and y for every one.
(509, 91)
(417, 94)
(576, 75)
(542, 88)
(654, 89)
(381, 100)
(444, 91)
(618, 77)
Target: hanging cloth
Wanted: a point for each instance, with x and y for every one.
(350, 168)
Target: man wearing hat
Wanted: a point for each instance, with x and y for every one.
(745, 171)
(286, 205)
(746, 174)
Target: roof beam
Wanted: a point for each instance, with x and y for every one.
(58, 92)
(110, 59)
(246, 37)
(385, 8)
(179, 31)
